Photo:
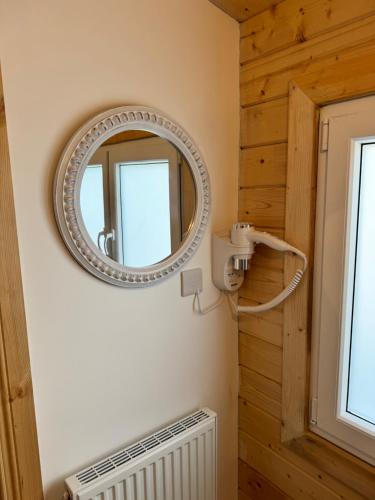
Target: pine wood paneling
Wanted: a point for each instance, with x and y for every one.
(253, 321)
(262, 284)
(257, 486)
(243, 496)
(311, 483)
(264, 428)
(300, 213)
(330, 56)
(317, 455)
(357, 76)
(263, 166)
(351, 36)
(304, 461)
(295, 21)
(260, 425)
(9, 480)
(262, 328)
(260, 356)
(264, 207)
(264, 123)
(271, 276)
(269, 87)
(260, 391)
(243, 9)
(252, 380)
(348, 62)
(266, 257)
(20, 469)
(286, 476)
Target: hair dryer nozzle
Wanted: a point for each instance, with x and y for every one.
(241, 263)
(240, 231)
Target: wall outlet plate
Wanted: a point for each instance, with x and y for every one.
(191, 282)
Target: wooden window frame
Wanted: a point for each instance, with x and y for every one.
(307, 94)
(20, 476)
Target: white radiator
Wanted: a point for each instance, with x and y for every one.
(175, 463)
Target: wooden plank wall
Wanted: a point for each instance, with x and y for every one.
(293, 38)
(20, 477)
(243, 9)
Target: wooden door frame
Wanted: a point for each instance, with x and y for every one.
(20, 475)
(336, 82)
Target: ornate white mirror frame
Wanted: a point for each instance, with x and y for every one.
(68, 181)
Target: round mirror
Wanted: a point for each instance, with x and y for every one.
(137, 198)
(131, 196)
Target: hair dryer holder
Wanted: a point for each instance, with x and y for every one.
(232, 254)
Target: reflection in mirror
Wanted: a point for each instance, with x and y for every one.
(137, 198)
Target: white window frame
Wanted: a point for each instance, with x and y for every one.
(344, 128)
(139, 150)
(145, 150)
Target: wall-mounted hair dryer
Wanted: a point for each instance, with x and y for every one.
(231, 257)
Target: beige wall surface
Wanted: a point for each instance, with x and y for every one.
(111, 364)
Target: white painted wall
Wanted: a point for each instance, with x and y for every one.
(110, 364)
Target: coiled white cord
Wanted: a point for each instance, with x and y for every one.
(283, 295)
(295, 281)
(206, 310)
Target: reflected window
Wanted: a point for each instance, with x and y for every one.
(145, 212)
(138, 198)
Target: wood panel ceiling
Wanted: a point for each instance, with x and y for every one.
(243, 9)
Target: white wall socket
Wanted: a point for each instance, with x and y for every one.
(191, 282)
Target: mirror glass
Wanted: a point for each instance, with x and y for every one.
(137, 198)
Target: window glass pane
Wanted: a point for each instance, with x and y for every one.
(92, 204)
(361, 395)
(145, 210)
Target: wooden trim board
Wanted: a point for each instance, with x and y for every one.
(241, 10)
(20, 476)
(299, 231)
